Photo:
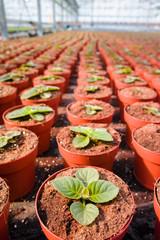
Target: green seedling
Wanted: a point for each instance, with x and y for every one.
(87, 134)
(92, 110)
(152, 110)
(11, 77)
(157, 72)
(41, 91)
(57, 69)
(29, 64)
(23, 69)
(92, 71)
(86, 186)
(137, 90)
(8, 137)
(50, 77)
(124, 71)
(30, 112)
(91, 89)
(130, 79)
(95, 78)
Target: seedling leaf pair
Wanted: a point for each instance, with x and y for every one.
(91, 109)
(10, 77)
(85, 186)
(9, 136)
(152, 110)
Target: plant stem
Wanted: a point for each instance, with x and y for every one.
(83, 202)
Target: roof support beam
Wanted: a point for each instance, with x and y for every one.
(40, 30)
(3, 22)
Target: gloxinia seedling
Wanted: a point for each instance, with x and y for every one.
(88, 187)
(87, 134)
(95, 78)
(91, 89)
(50, 77)
(57, 69)
(124, 71)
(41, 91)
(152, 110)
(29, 64)
(92, 71)
(8, 137)
(30, 112)
(11, 77)
(92, 110)
(130, 79)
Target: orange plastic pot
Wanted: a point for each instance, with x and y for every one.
(7, 102)
(66, 74)
(85, 74)
(20, 174)
(4, 235)
(51, 102)
(146, 165)
(80, 97)
(125, 101)
(3, 71)
(157, 211)
(75, 120)
(32, 73)
(50, 235)
(104, 159)
(41, 129)
(156, 84)
(131, 124)
(149, 78)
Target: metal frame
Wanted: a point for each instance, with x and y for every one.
(3, 22)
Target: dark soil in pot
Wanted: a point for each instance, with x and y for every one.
(66, 136)
(138, 110)
(78, 109)
(112, 218)
(138, 92)
(4, 193)
(20, 147)
(148, 137)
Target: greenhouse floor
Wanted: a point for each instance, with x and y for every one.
(23, 223)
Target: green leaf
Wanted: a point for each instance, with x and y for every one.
(130, 79)
(124, 71)
(3, 141)
(156, 72)
(87, 175)
(84, 214)
(11, 134)
(90, 111)
(153, 111)
(91, 88)
(46, 95)
(27, 110)
(101, 191)
(50, 77)
(95, 78)
(37, 116)
(92, 71)
(69, 187)
(119, 66)
(137, 90)
(57, 69)
(100, 134)
(30, 93)
(29, 64)
(10, 77)
(83, 130)
(80, 141)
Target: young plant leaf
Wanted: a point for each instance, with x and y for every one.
(92, 71)
(95, 78)
(91, 110)
(12, 134)
(130, 79)
(124, 71)
(37, 116)
(119, 66)
(57, 69)
(91, 89)
(100, 134)
(137, 90)
(152, 110)
(3, 141)
(50, 77)
(29, 64)
(101, 191)
(68, 186)
(83, 130)
(10, 77)
(87, 175)
(80, 141)
(46, 95)
(157, 71)
(84, 214)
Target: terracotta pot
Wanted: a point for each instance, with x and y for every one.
(41, 129)
(146, 164)
(20, 174)
(51, 102)
(85, 74)
(125, 101)
(80, 97)
(7, 102)
(103, 159)
(50, 235)
(75, 120)
(21, 85)
(131, 124)
(149, 78)
(66, 74)
(157, 211)
(84, 81)
(4, 235)
(3, 71)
